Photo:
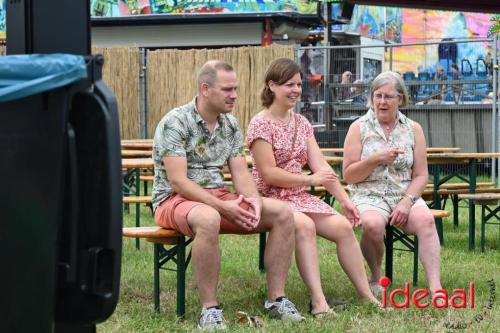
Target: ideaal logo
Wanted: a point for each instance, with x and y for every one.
(460, 298)
(419, 297)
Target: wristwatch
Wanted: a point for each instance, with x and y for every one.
(412, 198)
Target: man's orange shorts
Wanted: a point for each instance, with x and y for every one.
(172, 213)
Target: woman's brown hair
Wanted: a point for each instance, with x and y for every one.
(279, 71)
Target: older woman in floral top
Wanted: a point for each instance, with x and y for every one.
(385, 162)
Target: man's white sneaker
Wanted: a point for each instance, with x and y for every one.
(283, 309)
(211, 319)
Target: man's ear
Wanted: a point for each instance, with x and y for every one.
(204, 88)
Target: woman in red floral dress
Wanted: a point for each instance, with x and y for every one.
(282, 143)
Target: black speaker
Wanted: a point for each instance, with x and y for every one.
(48, 26)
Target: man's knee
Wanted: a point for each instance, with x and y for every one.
(204, 219)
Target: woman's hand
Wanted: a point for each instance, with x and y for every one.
(321, 177)
(399, 215)
(351, 212)
(388, 155)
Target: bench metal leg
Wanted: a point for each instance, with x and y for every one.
(486, 214)
(393, 235)
(181, 277)
(445, 200)
(137, 224)
(455, 209)
(472, 210)
(156, 287)
(389, 252)
(415, 260)
(483, 226)
(137, 205)
(177, 254)
(439, 228)
(262, 250)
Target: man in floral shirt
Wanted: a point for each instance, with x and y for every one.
(191, 145)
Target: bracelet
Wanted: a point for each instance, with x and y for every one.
(412, 198)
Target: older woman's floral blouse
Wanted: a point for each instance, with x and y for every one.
(182, 132)
(291, 159)
(387, 183)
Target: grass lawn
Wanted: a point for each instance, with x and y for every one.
(242, 287)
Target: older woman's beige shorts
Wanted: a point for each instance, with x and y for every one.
(383, 208)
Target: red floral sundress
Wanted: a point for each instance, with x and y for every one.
(280, 136)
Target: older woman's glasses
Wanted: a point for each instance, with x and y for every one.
(388, 98)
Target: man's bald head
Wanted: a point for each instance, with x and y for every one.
(208, 72)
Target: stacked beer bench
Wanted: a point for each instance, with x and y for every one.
(485, 200)
(133, 169)
(453, 190)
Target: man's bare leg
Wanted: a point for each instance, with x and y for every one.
(205, 223)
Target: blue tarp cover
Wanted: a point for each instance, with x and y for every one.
(29, 74)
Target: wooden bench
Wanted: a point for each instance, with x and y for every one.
(145, 178)
(454, 193)
(137, 200)
(176, 253)
(393, 234)
(485, 200)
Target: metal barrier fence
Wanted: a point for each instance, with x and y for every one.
(456, 105)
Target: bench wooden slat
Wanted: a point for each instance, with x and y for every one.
(427, 195)
(439, 213)
(482, 198)
(452, 186)
(153, 232)
(147, 178)
(137, 199)
(466, 191)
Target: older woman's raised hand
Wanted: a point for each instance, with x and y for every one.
(388, 155)
(323, 176)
